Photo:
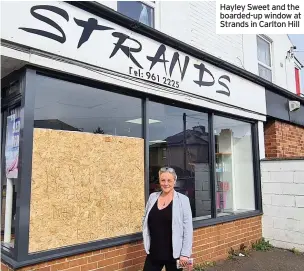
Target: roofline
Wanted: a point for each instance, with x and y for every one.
(298, 62)
(124, 21)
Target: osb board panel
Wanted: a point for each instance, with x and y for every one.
(85, 187)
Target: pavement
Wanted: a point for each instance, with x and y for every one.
(273, 260)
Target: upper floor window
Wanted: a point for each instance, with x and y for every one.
(264, 58)
(137, 10)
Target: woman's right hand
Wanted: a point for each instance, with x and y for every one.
(183, 261)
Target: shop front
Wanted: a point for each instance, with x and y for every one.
(95, 110)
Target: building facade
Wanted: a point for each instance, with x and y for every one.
(95, 102)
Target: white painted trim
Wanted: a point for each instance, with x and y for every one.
(152, 5)
(156, 10)
(149, 3)
(8, 211)
(157, 15)
(261, 139)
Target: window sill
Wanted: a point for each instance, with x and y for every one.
(281, 159)
(225, 219)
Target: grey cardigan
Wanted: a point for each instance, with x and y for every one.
(182, 227)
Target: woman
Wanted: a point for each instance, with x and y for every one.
(167, 226)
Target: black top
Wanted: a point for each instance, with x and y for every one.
(160, 228)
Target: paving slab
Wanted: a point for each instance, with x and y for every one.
(274, 260)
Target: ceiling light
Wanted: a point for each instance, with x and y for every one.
(158, 141)
(139, 121)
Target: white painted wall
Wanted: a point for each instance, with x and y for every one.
(283, 203)
(110, 4)
(173, 19)
(243, 172)
(283, 68)
(283, 73)
(261, 139)
(193, 22)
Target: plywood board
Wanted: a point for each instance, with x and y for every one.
(85, 187)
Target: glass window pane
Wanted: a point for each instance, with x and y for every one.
(179, 139)
(10, 175)
(265, 73)
(13, 88)
(264, 51)
(137, 11)
(234, 166)
(62, 105)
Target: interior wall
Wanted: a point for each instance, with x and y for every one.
(243, 173)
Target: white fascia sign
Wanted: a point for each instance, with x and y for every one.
(62, 29)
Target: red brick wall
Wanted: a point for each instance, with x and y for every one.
(283, 140)
(210, 244)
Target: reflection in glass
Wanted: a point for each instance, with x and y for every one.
(234, 166)
(264, 51)
(9, 179)
(137, 11)
(265, 72)
(179, 139)
(62, 105)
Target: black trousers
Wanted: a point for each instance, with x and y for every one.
(156, 265)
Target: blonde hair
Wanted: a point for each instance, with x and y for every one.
(169, 170)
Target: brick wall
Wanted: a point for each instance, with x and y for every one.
(210, 244)
(283, 203)
(283, 140)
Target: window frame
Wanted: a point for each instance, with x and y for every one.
(21, 255)
(176, 104)
(154, 6)
(269, 41)
(8, 102)
(233, 179)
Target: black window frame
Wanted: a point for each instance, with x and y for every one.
(21, 257)
(8, 102)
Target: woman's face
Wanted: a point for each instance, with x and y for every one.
(166, 181)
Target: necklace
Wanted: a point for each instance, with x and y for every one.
(164, 204)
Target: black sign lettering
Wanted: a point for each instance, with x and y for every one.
(88, 27)
(127, 50)
(160, 52)
(175, 59)
(91, 24)
(50, 22)
(202, 70)
(224, 85)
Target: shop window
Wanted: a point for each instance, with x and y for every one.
(234, 166)
(61, 105)
(179, 138)
(88, 160)
(10, 174)
(137, 10)
(264, 58)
